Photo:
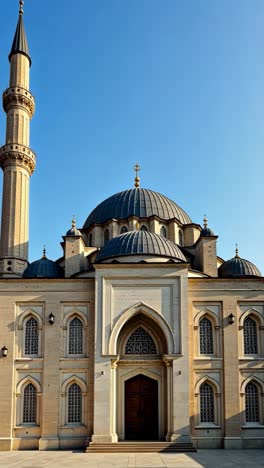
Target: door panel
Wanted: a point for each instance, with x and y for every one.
(141, 408)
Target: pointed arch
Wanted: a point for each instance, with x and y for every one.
(75, 312)
(252, 378)
(25, 381)
(255, 314)
(71, 380)
(211, 381)
(26, 314)
(206, 312)
(152, 314)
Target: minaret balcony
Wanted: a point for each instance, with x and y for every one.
(18, 96)
(17, 155)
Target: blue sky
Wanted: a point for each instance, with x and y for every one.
(176, 85)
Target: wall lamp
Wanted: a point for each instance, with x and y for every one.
(51, 318)
(231, 319)
(4, 351)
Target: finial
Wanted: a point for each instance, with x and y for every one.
(44, 252)
(205, 221)
(73, 221)
(236, 251)
(21, 4)
(137, 179)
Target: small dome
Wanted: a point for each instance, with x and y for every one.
(43, 268)
(73, 231)
(140, 243)
(237, 267)
(206, 231)
(138, 202)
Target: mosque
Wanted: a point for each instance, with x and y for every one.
(139, 334)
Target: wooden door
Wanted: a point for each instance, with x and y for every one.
(141, 408)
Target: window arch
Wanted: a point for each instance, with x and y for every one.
(106, 236)
(143, 228)
(250, 336)
(163, 231)
(90, 240)
(206, 336)
(180, 237)
(30, 404)
(75, 336)
(31, 342)
(140, 342)
(207, 411)
(252, 403)
(74, 404)
(123, 230)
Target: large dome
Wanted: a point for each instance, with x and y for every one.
(139, 202)
(140, 243)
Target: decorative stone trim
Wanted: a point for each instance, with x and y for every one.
(15, 154)
(18, 96)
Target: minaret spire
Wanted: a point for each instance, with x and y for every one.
(17, 160)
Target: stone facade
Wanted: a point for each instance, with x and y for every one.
(140, 296)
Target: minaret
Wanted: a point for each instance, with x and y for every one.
(16, 158)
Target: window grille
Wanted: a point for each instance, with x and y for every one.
(30, 404)
(140, 342)
(74, 404)
(252, 403)
(163, 231)
(76, 336)
(106, 236)
(250, 336)
(206, 337)
(31, 337)
(207, 403)
(123, 230)
(143, 228)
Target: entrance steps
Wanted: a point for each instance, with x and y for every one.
(135, 447)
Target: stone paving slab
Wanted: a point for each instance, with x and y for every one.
(76, 459)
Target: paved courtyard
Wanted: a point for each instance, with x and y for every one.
(203, 458)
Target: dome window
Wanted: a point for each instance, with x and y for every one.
(143, 228)
(106, 236)
(180, 237)
(163, 232)
(123, 230)
(90, 240)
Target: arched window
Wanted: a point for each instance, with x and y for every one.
(31, 336)
(76, 336)
(250, 336)
(140, 342)
(90, 240)
(251, 403)
(74, 404)
(30, 404)
(143, 228)
(180, 237)
(206, 336)
(123, 230)
(163, 231)
(106, 236)
(207, 404)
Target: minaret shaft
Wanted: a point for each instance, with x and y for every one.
(17, 161)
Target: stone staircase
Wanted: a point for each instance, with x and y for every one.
(136, 447)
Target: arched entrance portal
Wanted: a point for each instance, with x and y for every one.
(141, 408)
